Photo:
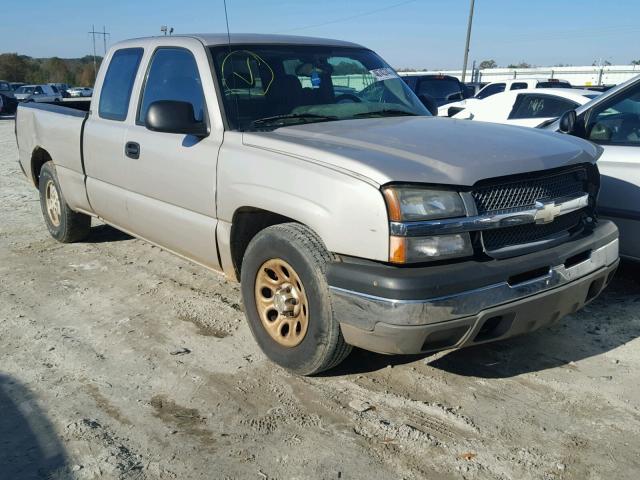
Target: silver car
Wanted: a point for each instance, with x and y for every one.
(37, 93)
(612, 120)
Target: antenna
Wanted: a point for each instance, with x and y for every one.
(226, 17)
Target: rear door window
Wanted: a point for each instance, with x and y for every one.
(491, 90)
(518, 86)
(540, 106)
(173, 75)
(118, 84)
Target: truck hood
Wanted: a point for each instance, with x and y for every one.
(425, 149)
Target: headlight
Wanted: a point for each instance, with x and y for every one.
(415, 203)
(408, 204)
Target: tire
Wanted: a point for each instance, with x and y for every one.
(64, 224)
(320, 345)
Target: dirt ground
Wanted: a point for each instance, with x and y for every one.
(119, 360)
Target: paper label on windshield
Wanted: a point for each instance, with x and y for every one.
(381, 74)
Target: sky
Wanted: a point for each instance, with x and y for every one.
(410, 33)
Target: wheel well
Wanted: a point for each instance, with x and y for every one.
(247, 223)
(38, 158)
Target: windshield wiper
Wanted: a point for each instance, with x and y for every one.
(294, 116)
(386, 113)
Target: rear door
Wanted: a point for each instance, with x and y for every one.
(172, 179)
(103, 140)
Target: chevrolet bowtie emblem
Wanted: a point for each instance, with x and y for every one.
(546, 212)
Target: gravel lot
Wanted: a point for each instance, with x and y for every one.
(119, 360)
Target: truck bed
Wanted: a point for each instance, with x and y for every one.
(54, 130)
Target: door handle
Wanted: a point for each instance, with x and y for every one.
(132, 150)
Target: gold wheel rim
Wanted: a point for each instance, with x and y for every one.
(53, 203)
(281, 302)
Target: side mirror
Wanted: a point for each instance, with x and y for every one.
(171, 116)
(567, 122)
(430, 103)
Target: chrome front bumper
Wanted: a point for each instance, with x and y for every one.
(364, 311)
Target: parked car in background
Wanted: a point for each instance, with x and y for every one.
(37, 93)
(80, 91)
(61, 88)
(16, 85)
(441, 88)
(5, 88)
(492, 88)
(8, 103)
(528, 108)
(612, 120)
(349, 219)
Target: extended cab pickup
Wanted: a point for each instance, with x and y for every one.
(308, 170)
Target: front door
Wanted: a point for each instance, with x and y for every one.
(171, 178)
(615, 125)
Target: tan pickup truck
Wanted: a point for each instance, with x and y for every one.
(307, 169)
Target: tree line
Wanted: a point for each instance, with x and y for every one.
(72, 71)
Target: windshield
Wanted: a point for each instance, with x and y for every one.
(25, 90)
(270, 86)
(442, 89)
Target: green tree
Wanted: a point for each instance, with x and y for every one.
(487, 64)
(86, 77)
(519, 65)
(57, 71)
(635, 62)
(13, 67)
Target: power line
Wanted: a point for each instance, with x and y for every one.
(351, 17)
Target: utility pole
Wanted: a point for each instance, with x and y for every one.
(104, 34)
(95, 67)
(104, 38)
(466, 46)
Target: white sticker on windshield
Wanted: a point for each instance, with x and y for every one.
(381, 74)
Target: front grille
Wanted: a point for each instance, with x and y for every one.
(495, 196)
(525, 192)
(521, 234)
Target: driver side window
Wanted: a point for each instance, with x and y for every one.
(617, 122)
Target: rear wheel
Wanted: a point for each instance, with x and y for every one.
(286, 299)
(64, 224)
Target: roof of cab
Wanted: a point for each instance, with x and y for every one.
(216, 39)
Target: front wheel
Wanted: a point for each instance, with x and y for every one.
(286, 299)
(64, 224)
